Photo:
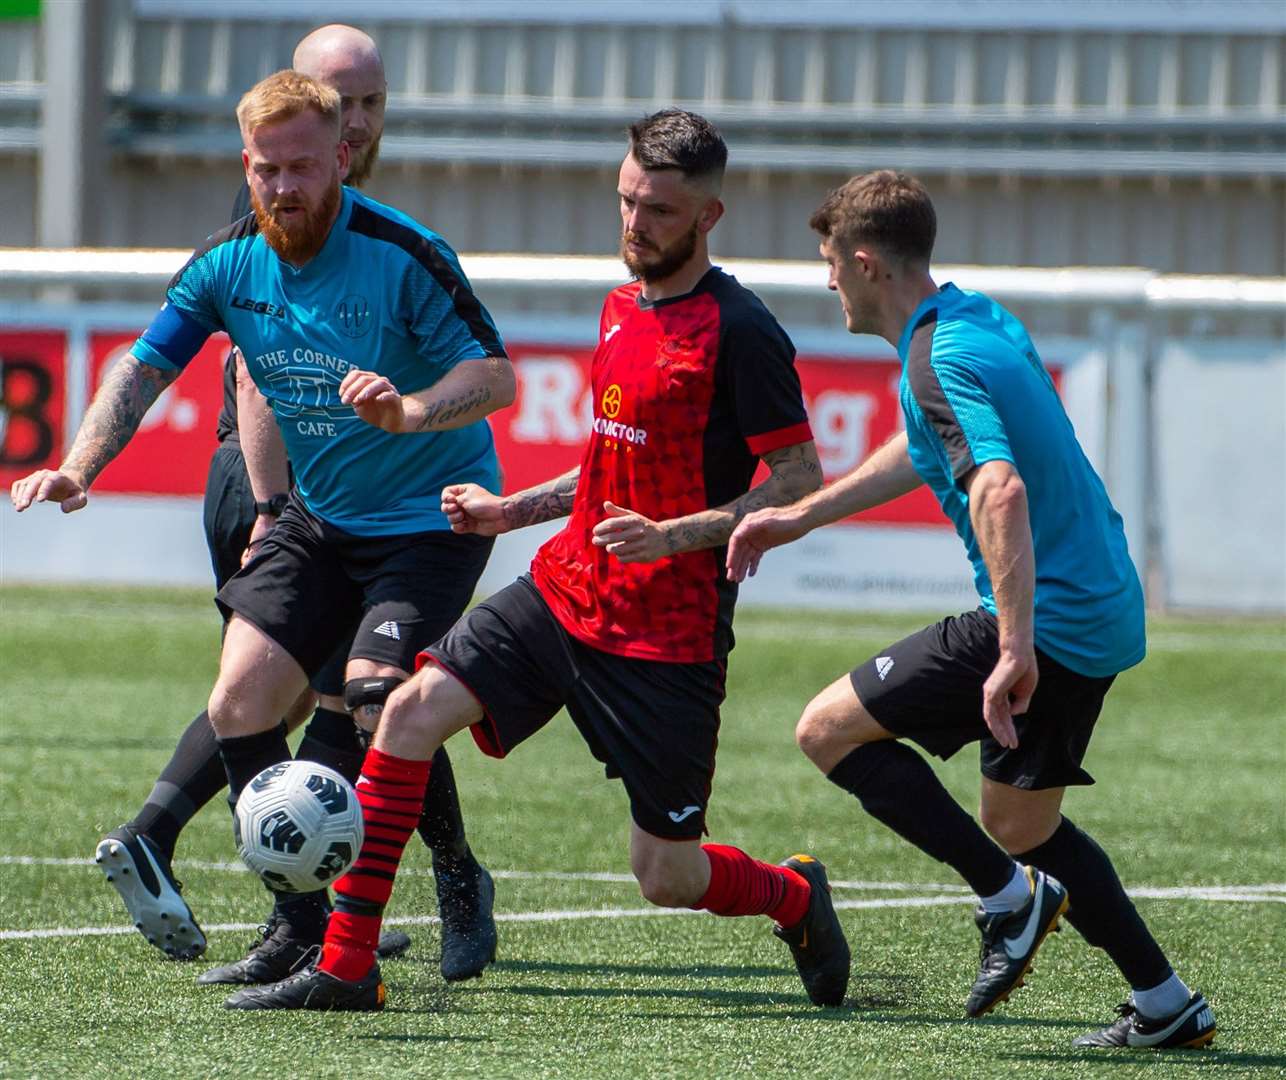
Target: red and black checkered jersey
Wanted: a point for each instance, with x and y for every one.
(688, 393)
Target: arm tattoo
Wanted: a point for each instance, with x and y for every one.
(796, 472)
(550, 500)
(114, 415)
(439, 414)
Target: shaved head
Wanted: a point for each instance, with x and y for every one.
(336, 46)
(346, 60)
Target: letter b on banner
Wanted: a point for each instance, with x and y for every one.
(31, 401)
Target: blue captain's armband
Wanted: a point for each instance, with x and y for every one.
(172, 339)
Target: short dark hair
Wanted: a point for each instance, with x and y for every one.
(889, 210)
(677, 139)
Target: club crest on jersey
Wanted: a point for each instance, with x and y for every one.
(679, 354)
(353, 315)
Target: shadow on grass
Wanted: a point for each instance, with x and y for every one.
(867, 990)
(939, 1020)
(424, 1038)
(1162, 1060)
(697, 971)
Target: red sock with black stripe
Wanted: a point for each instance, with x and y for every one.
(740, 885)
(391, 791)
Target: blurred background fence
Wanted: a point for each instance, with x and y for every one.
(1062, 142)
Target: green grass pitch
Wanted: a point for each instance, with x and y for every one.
(1190, 755)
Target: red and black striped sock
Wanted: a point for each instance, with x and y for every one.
(740, 885)
(391, 791)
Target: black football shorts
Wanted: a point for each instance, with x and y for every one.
(309, 584)
(928, 688)
(653, 725)
(229, 516)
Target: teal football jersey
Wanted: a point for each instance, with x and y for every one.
(384, 294)
(973, 389)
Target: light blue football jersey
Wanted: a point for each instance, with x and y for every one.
(973, 390)
(384, 294)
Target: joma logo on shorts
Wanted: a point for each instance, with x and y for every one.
(259, 307)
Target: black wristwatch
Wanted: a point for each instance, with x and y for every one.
(273, 506)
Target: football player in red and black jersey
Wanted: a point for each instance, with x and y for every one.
(626, 615)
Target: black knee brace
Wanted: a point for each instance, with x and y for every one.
(371, 690)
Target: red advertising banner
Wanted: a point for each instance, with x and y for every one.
(33, 393)
(853, 408)
(170, 454)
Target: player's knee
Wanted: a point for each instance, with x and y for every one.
(661, 886)
(818, 733)
(233, 713)
(809, 735)
(1009, 831)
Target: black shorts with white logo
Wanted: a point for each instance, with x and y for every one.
(928, 688)
(228, 518)
(309, 584)
(654, 725)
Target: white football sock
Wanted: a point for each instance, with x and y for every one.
(1163, 1000)
(1013, 896)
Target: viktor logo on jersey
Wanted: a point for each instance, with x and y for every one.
(610, 403)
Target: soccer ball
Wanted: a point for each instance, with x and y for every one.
(298, 826)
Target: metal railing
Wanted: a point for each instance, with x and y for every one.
(1082, 286)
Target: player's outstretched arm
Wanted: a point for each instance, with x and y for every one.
(468, 392)
(110, 422)
(794, 471)
(473, 509)
(998, 512)
(886, 474)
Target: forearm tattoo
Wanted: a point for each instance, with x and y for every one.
(796, 472)
(544, 503)
(114, 415)
(440, 414)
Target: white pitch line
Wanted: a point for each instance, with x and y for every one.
(1148, 892)
(1272, 892)
(566, 915)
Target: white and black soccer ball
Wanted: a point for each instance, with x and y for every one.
(298, 826)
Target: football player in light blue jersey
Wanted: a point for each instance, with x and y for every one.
(1024, 675)
(379, 366)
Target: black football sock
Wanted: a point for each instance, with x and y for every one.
(331, 739)
(897, 786)
(306, 913)
(191, 778)
(1101, 912)
(441, 824)
(246, 756)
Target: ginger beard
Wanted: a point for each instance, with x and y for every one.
(296, 238)
(657, 264)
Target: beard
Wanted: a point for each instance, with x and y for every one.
(360, 166)
(296, 241)
(659, 263)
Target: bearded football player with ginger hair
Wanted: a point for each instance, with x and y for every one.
(366, 344)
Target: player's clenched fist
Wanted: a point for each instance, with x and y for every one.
(473, 509)
(375, 399)
(46, 485)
